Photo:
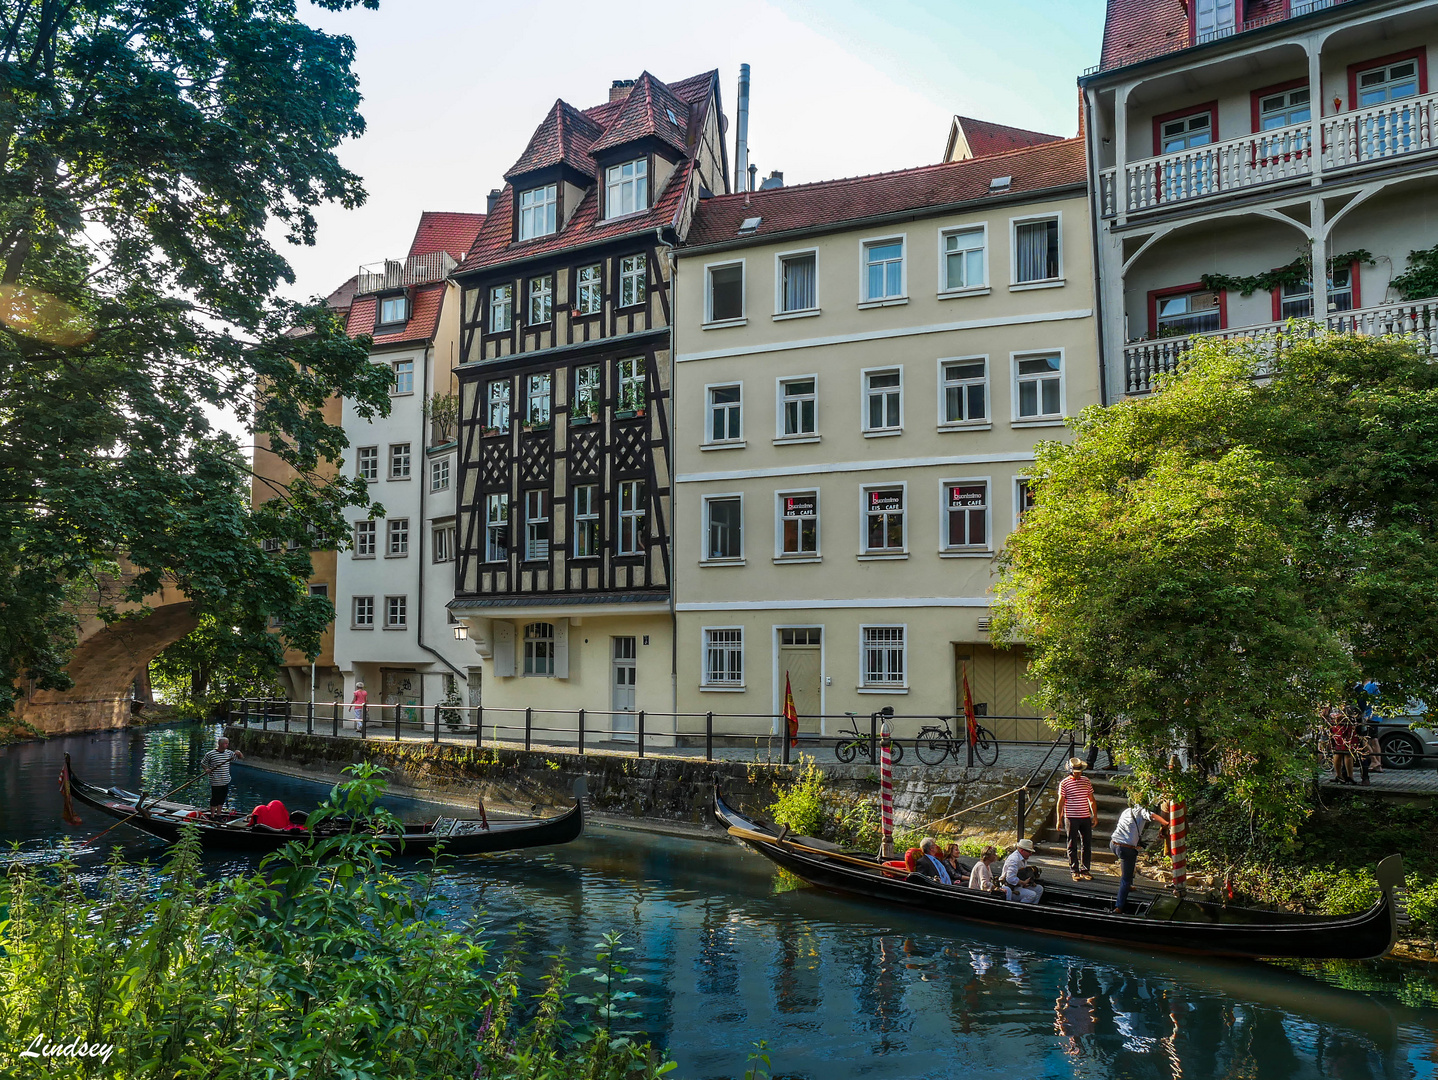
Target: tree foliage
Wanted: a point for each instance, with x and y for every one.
(218, 660)
(146, 147)
(1211, 563)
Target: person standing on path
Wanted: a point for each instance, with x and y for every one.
(361, 697)
(1100, 736)
(1076, 812)
(1125, 843)
(217, 764)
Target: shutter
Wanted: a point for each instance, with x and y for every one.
(503, 649)
(561, 648)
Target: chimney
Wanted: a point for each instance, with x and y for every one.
(494, 194)
(619, 89)
(741, 137)
(774, 180)
(753, 173)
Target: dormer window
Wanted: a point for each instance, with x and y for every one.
(626, 188)
(393, 309)
(1215, 18)
(537, 212)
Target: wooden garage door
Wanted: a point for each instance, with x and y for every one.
(999, 682)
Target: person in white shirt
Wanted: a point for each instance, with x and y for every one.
(1127, 835)
(1028, 890)
(981, 877)
(1014, 863)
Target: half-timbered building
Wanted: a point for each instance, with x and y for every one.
(563, 569)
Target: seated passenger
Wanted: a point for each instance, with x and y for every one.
(931, 862)
(1023, 850)
(1028, 890)
(981, 877)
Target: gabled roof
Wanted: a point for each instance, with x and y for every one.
(651, 108)
(1135, 30)
(832, 203)
(562, 138)
(970, 138)
(444, 230)
(426, 301)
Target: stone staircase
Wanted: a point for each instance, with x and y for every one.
(1109, 793)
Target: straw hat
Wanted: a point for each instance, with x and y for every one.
(1077, 764)
(1026, 845)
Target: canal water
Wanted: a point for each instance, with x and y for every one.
(731, 954)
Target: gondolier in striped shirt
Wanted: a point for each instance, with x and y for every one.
(1076, 812)
(217, 764)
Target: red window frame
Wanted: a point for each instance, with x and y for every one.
(1192, 6)
(1155, 295)
(1210, 107)
(1277, 293)
(1262, 92)
(1420, 54)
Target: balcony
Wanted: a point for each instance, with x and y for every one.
(1144, 361)
(394, 274)
(1378, 135)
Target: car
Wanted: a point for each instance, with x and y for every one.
(1404, 740)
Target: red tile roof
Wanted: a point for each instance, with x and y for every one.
(985, 138)
(443, 230)
(422, 324)
(833, 202)
(563, 137)
(646, 111)
(1134, 30)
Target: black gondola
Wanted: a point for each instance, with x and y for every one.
(235, 832)
(1156, 921)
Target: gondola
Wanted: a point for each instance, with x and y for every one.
(1156, 921)
(231, 831)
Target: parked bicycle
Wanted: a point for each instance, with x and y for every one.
(855, 743)
(937, 742)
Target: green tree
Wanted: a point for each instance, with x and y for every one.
(1211, 563)
(218, 660)
(147, 147)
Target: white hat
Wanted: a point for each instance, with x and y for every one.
(1025, 845)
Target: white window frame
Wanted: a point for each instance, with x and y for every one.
(546, 207)
(1218, 28)
(945, 289)
(594, 395)
(384, 303)
(396, 538)
(781, 398)
(866, 301)
(705, 681)
(736, 320)
(439, 473)
(1043, 419)
(401, 460)
(538, 381)
(867, 553)
(441, 538)
(545, 518)
(728, 441)
(866, 687)
(706, 559)
(401, 378)
(366, 539)
(589, 290)
(491, 524)
(1015, 285)
(356, 623)
(594, 513)
(530, 657)
(490, 401)
(948, 549)
(390, 622)
(623, 382)
(639, 513)
(506, 305)
(983, 423)
(616, 181)
(1020, 486)
(367, 455)
(780, 312)
(633, 269)
(864, 374)
(782, 556)
(544, 296)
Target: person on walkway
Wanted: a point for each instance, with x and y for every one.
(1076, 812)
(1126, 842)
(932, 863)
(1100, 729)
(981, 877)
(1016, 861)
(358, 705)
(1340, 740)
(217, 764)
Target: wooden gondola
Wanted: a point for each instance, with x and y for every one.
(231, 831)
(1159, 921)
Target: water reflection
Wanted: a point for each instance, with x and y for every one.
(729, 954)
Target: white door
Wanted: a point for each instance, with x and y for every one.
(621, 721)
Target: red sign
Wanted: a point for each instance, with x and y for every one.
(886, 500)
(801, 506)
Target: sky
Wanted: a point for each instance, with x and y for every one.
(454, 88)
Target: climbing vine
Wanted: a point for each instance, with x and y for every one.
(1420, 280)
(1298, 272)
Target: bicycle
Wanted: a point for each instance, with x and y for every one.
(858, 743)
(936, 743)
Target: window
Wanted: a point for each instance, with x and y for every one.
(270, 544)
(439, 474)
(586, 394)
(799, 524)
(589, 291)
(586, 521)
(364, 539)
(320, 590)
(632, 282)
(631, 517)
(496, 528)
(496, 418)
(883, 270)
(883, 655)
(1023, 499)
(631, 385)
(726, 293)
(397, 542)
(723, 524)
(1390, 82)
(396, 612)
(537, 400)
(393, 309)
(965, 398)
(1284, 108)
(883, 520)
(1214, 18)
(798, 404)
(399, 461)
(798, 282)
(362, 612)
(724, 413)
(1296, 301)
(539, 648)
(724, 657)
(1182, 314)
(966, 514)
(1040, 387)
(501, 308)
(1036, 251)
(964, 259)
(367, 462)
(541, 299)
(442, 543)
(536, 525)
(883, 400)
(1185, 132)
(403, 375)
(537, 208)
(626, 188)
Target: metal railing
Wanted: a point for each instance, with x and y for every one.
(396, 273)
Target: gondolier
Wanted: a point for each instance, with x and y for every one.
(217, 764)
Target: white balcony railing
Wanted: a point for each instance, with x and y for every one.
(394, 274)
(1144, 361)
(1380, 133)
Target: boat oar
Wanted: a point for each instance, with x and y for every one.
(139, 811)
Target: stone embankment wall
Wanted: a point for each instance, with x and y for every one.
(657, 790)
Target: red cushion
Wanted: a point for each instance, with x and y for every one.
(896, 868)
(274, 815)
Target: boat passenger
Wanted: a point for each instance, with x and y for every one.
(1027, 889)
(981, 877)
(931, 864)
(1126, 840)
(1023, 850)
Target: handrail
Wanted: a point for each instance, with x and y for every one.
(1023, 811)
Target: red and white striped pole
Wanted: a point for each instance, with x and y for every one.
(1178, 842)
(886, 792)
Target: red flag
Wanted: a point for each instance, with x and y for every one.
(791, 713)
(969, 720)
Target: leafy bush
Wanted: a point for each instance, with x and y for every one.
(801, 805)
(1423, 904)
(1420, 280)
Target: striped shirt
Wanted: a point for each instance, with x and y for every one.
(219, 761)
(1075, 791)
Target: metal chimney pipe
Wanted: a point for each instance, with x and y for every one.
(741, 137)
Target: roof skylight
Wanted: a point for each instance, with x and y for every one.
(749, 224)
(1000, 183)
